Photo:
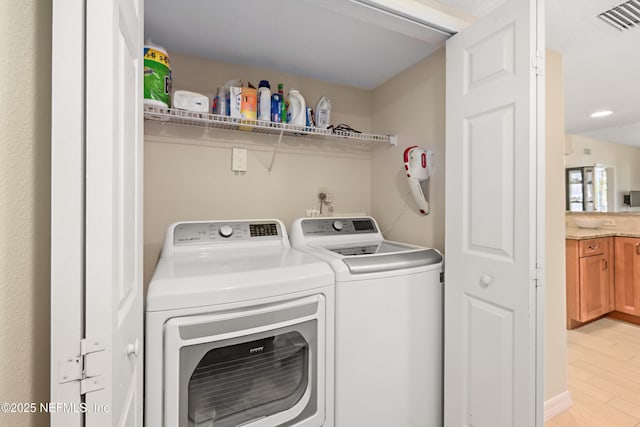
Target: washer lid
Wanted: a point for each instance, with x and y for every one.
(382, 247)
(355, 246)
(362, 264)
(233, 276)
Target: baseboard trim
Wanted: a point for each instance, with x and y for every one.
(624, 317)
(557, 405)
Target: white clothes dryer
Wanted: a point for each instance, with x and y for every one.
(389, 323)
(239, 329)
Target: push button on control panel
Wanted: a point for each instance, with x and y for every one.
(225, 230)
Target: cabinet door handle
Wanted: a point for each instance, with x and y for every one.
(638, 248)
(605, 264)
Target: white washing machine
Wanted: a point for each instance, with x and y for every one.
(239, 330)
(389, 327)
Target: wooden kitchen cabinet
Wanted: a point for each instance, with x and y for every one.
(590, 273)
(627, 271)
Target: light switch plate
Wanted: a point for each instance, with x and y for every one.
(239, 160)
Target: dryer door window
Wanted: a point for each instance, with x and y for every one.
(235, 384)
(257, 367)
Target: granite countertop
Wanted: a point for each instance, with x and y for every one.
(593, 233)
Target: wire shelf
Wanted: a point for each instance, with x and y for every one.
(216, 121)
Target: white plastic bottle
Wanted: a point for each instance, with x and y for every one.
(264, 100)
(296, 108)
(323, 113)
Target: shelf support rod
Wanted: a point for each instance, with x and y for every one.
(275, 150)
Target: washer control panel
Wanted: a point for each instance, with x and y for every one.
(190, 233)
(338, 226)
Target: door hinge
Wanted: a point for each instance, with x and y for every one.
(539, 63)
(74, 368)
(537, 275)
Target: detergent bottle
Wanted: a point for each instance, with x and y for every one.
(157, 76)
(283, 104)
(296, 108)
(264, 100)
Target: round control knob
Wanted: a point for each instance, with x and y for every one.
(338, 225)
(225, 230)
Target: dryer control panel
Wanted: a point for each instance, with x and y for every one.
(190, 233)
(338, 226)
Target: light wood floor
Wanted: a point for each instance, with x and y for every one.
(604, 376)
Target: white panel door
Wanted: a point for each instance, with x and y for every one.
(492, 229)
(114, 138)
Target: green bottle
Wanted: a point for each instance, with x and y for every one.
(283, 109)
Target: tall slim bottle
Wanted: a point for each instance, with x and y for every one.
(283, 110)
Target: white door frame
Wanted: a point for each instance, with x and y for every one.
(67, 205)
(96, 261)
(67, 258)
(541, 226)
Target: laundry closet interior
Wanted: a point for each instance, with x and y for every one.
(384, 76)
(387, 77)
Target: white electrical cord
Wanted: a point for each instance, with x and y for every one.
(404, 205)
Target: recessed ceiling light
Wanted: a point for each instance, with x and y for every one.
(603, 113)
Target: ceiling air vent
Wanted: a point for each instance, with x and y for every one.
(623, 17)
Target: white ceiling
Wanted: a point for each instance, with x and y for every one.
(601, 66)
(346, 43)
(332, 40)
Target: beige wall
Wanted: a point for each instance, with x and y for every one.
(188, 174)
(555, 357)
(349, 105)
(188, 170)
(25, 46)
(623, 158)
(411, 105)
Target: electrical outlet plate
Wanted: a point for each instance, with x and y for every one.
(239, 160)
